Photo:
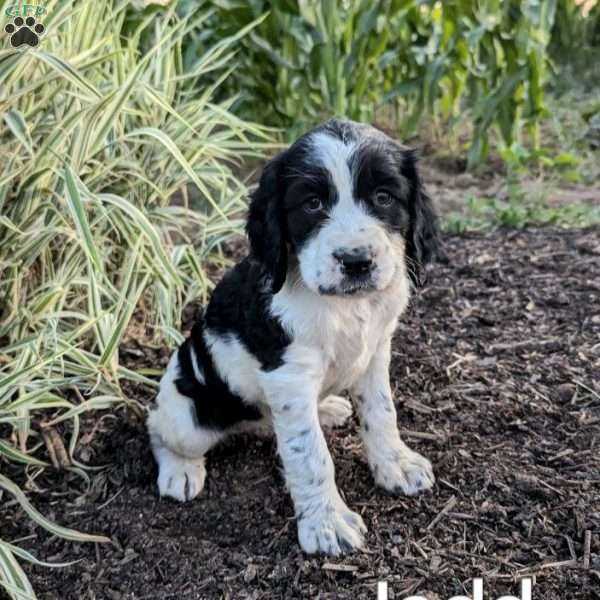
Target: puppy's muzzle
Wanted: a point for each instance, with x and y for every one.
(355, 262)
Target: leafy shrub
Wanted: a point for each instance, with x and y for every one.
(97, 141)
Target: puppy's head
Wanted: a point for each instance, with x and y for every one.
(344, 203)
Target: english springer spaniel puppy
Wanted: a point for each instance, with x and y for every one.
(339, 228)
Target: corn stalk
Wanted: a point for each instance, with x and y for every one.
(484, 62)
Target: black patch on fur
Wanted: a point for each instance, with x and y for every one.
(423, 238)
(375, 169)
(304, 183)
(240, 306)
(266, 227)
(215, 406)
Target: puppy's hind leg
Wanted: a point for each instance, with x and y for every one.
(334, 411)
(179, 442)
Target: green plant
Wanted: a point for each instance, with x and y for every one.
(481, 214)
(486, 61)
(576, 35)
(115, 192)
(304, 61)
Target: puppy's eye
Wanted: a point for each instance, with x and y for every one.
(313, 204)
(383, 198)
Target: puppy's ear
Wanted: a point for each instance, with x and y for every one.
(266, 226)
(423, 242)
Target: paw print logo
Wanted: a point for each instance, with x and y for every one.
(24, 31)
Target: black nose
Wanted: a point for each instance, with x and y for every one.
(354, 262)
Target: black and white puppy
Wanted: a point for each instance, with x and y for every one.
(339, 230)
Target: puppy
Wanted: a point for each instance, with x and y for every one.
(339, 228)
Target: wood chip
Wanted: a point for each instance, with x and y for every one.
(587, 547)
(340, 568)
(448, 506)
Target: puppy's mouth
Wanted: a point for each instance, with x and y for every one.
(349, 286)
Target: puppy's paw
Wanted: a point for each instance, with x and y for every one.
(180, 478)
(333, 529)
(334, 411)
(408, 473)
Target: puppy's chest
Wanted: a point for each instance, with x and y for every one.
(348, 343)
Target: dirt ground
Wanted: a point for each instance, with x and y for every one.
(449, 181)
(496, 373)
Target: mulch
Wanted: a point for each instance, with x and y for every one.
(496, 372)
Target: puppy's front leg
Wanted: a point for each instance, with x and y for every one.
(394, 465)
(325, 523)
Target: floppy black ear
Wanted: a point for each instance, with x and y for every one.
(423, 242)
(266, 226)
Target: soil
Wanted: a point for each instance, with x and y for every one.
(496, 373)
(449, 182)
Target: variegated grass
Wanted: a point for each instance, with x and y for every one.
(115, 191)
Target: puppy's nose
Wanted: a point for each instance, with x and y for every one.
(357, 261)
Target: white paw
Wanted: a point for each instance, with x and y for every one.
(178, 477)
(409, 473)
(334, 411)
(332, 529)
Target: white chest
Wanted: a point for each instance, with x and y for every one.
(347, 344)
(341, 334)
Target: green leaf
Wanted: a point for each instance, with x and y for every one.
(16, 122)
(64, 532)
(79, 216)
